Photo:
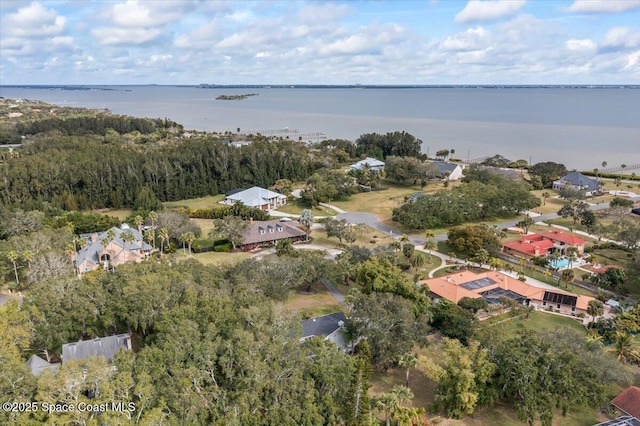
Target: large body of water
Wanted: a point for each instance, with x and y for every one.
(579, 127)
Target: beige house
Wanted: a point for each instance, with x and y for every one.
(111, 248)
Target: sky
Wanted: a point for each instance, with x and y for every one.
(314, 42)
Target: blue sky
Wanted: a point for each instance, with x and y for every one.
(301, 42)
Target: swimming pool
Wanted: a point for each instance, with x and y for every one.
(559, 263)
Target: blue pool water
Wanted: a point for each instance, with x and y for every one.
(560, 263)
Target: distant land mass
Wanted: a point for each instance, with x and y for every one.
(329, 86)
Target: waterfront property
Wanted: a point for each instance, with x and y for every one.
(257, 197)
(111, 248)
(577, 181)
(494, 285)
(448, 171)
(262, 233)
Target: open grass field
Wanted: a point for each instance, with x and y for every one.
(214, 258)
(538, 321)
(294, 207)
(121, 214)
(308, 305)
(368, 237)
(196, 203)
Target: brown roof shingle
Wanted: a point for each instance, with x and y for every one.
(264, 231)
(628, 401)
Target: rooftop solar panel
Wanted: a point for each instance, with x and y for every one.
(621, 421)
(563, 299)
(479, 283)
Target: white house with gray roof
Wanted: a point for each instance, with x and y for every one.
(448, 171)
(111, 248)
(373, 163)
(577, 181)
(257, 197)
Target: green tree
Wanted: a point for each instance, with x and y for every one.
(595, 308)
(146, 201)
(463, 381)
(306, 220)
(230, 228)
(525, 224)
(408, 361)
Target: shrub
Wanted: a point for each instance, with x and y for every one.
(222, 248)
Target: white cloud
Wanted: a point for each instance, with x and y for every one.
(603, 6)
(621, 37)
(580, 44)
(315, 12)
(34, 21)
(472, 39)
(124, 36)
(478, 10)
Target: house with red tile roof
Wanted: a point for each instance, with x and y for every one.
(542, 244)
(628, 401)
(493, 285)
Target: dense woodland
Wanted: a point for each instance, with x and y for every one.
(215, 345)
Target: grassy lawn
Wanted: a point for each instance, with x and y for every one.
(381, 203)
(121, 214)
(308, 305)
(370, 238)
(196, 203)
(205, 225)
(214, 258)
(612, 257)
(538, 321)
(294, 207)
(445, 271)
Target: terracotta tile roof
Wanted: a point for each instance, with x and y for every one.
(564, 237)
(451, 287)
(628, 401)
(604, 268)
(530, 248)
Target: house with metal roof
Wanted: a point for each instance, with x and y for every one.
(256, 197)
(105, 347)
(111, 248)
(373, 163)
(577, 181)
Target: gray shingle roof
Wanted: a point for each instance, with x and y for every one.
(36, 365)
(105, 347)
(92, 249)
(254, 196)
(323, 326)
(444, 167)
(579, 180)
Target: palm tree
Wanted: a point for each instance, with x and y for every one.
(568, 275)
(13, 256)
(403, 394)
(595, 308)
(545, 195)
(128, 237)
(408, 361)
(138, 221)
(417, 259)
(572, 254)
(153, 217)
(625, 349)
(388, 404)
(150, 237)
(190, 237)
(27, 255)
(594, 339)
(163, 234)
(403, 239)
